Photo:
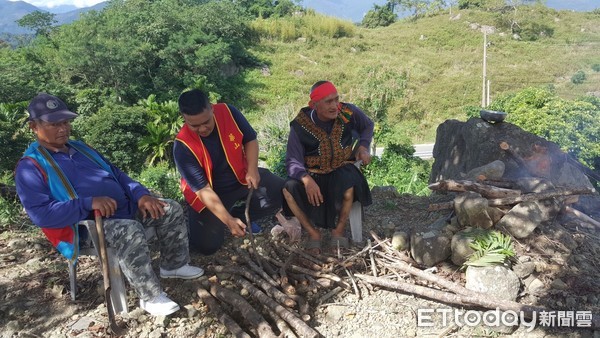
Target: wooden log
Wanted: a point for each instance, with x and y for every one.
(223, 317)
(309, 272)
(286, 331)
(486, 191)
(539, 196)
(484, 301)
(318, 259)
(522, 198)
(301, 328)
(254, 318)
(582, 216)
(500, 183)
(267, 287)
(284, 280)
(246, 259)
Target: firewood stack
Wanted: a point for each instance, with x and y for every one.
(500, 195)
(279, 299)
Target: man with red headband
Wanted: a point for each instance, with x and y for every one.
(326, 139)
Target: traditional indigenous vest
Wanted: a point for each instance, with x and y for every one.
(325, 152)
(231, 140)
(64, 239)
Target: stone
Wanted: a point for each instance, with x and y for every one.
(492, 171)
(400, 241)
(431, 247)
(523, 269)
(471, 210)
(460, 245)
(521, 220)
(536, 287)
(558, 284)
(496, 281)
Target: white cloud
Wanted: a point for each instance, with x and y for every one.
(54, 3)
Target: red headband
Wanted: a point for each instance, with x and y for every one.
(322, 91)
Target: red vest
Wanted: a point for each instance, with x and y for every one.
(231, 140)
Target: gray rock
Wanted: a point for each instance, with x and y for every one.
(496, 281)
(523, 269)
(521, 220)
(558, 284)
(431, 247)
(471, 210)
(536, 287)
(17, 244)
(460, 244)
(400, 241)
(492, 171)
(534, 185)
(82, 324)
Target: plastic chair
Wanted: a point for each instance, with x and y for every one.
(356, 216)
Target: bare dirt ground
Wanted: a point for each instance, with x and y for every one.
(35, 300)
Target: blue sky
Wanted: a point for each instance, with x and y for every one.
(54, 3)
(558, 4)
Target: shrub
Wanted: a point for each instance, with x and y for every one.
(570, 124)
(596, 67)
(11, 211)
(14, 135)
(379, 16)
(399, 168)
(578, 77)
(162, 180)
(115, 131)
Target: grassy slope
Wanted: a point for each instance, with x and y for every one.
(443, 59)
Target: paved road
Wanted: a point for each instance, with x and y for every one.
(424, 151)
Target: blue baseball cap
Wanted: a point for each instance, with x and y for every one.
(49, 108)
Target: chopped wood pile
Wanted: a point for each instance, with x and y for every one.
(278, 299)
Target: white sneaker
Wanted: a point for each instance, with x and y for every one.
(160, 305)
(185, 272)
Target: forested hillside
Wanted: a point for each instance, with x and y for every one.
(122, 68)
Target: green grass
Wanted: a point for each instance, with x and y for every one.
(443, 60)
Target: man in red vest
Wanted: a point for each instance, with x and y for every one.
(216, 153)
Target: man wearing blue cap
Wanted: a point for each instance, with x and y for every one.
(61, 182)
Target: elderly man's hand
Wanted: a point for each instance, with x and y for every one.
(313, 192)
(151, 206)
(363, 155)
(106, 205)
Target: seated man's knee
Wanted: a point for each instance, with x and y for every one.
(349, 194)
(173, 207)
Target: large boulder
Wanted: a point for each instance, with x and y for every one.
(463, 146)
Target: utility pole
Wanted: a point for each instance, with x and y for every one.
(487, 99)
(484, 86)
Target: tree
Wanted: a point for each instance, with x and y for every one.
(379, 16)
(135, 48)
(417, 7)
(39, 22)
(378, 90)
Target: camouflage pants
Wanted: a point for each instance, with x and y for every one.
(128, 239)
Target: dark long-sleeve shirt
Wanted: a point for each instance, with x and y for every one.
(88, 180)
(224, 180)
(294, 160)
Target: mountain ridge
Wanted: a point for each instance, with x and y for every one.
(15, 10)
(352, 10)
